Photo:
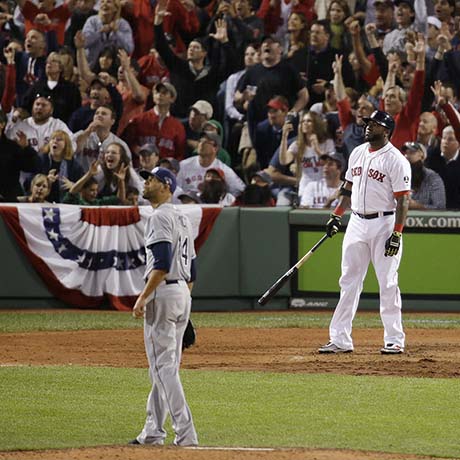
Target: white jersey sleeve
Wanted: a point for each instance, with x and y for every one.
(400, 174)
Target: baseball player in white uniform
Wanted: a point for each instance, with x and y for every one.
(377, 186)
(165, 304)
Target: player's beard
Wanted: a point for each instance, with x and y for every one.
(373, 137)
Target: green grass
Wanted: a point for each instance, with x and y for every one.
(79, 320)
(46, 407)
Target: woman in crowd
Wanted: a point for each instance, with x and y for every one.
(107, 28)
(297, 34)
(59, 164)
(304, 153)
(115, 171)
(337, 13)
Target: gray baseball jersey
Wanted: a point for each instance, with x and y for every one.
(170, 225)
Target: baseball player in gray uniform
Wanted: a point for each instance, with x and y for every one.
(165, 304)
(377, 187)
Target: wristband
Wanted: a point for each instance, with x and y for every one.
(399, 228)
(339, 211)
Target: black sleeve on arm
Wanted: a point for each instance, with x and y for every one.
(162, 254)
(193, 271)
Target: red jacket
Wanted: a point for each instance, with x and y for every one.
(58, 17)
(180, 21)
(407, 120)
(140, 17)
(145, 129)
(272, 16)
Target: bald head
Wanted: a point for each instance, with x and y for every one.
(427, 125)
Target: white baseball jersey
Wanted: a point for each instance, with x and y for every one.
(170, 225)
(93, 147)
(317, 193)
(312, 169)
(192, 173)
(38, 135)
(376, 177)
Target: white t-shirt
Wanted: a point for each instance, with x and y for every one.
(376, 177)
(311, 167)
(191, 174)
(317, 193)
(38, 135)
(93, 148)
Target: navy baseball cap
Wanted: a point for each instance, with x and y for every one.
(163, 175)
(382, 118)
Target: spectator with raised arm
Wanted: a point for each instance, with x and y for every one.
(272, 76)
(83, 10)
(405, 109)
(157, 126)
(47, 16)
(410, 16)
(319, 59)
(107, 29)
(8, 29)
(93, 140)
(86, 190)
(139, 14)
(134, 95)
(193, 78)
(115, 173)
(243, 25)
(352, 126)
(304, 154)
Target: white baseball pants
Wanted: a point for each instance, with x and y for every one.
(364, 242)
(165, 321)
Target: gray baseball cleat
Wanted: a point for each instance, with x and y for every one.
(392, 349)
(333, 348)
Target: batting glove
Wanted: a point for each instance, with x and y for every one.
(333, 225)
(392, 244)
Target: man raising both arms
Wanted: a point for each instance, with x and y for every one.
(377, 186)
(165, 304)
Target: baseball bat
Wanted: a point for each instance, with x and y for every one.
(272, 290)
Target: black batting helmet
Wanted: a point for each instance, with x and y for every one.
(382, 118)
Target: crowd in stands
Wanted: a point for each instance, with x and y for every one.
(248, 102)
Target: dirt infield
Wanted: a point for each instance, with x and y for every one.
(430, 353)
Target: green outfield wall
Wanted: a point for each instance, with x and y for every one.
(249, 248)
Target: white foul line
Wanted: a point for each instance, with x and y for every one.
(248, 449)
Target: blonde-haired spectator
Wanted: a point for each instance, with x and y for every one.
(59, 164)
(39, 190)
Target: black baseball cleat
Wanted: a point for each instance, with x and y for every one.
(134, 442)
